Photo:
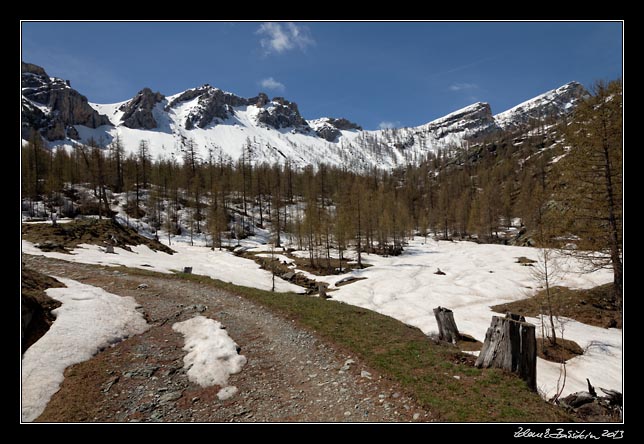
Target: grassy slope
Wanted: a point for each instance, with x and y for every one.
(426, 370)
(594, 306)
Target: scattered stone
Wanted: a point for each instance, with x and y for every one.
(439, 272)
(524, 261)
(347, 413)
(457, 377)
(416, 416)
(142, 286)
(170, 396)
(365, 374)
(109, 385)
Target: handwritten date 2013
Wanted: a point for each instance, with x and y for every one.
(561, 433)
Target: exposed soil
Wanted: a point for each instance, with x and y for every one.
(65, 237)
(560, 351)
(291, 374)
(36, 305)
(594, 306)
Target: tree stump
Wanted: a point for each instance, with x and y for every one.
(109, 249)
(322, 291)
(511, 345)
(447, 330)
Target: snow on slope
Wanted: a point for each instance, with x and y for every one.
(358, 149)
(221, 265)
(88, 320)
(476, 278)
(548, 104)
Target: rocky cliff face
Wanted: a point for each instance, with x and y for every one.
(474, 120)
(542, 109)
(280, 113)
(52, 107)
(137, 113)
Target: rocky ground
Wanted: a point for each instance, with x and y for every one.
(291, 375)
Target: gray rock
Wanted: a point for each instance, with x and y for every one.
(137, 112)
(66, 106)
(577, 399)
(170, 396)
(283, 114)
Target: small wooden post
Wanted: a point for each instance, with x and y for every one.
(447, 330)
(511, 344)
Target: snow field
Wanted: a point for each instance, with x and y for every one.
(88, 320)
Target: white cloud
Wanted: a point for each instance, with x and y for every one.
(271, 83)
(388, 125)
(462, 86)
(281, 37)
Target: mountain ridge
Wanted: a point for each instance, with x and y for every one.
(223, 124)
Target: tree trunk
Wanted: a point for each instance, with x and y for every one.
(510, 344)
(447, 330)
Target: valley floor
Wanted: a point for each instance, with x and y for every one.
(406, 288)
(291, 375)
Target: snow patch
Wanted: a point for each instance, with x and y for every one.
(227, 392)
(212, 355)
(88, 320)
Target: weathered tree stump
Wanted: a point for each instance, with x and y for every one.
(447, 330)
(109, 248)
(511, 345)
(187, 270)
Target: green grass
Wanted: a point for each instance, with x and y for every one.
(424, 369)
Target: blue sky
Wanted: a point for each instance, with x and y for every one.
(374, 73)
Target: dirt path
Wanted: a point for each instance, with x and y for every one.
(291, 375)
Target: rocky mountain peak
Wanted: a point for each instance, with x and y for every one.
(137, 113)
(33, 69)
(550, 105)
(51, 106)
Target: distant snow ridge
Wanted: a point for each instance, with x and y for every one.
(89, 319)
(224, 125)
(212, 355)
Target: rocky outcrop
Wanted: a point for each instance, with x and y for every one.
(280, 113)
(137, 113)
(475, 120)
(542, 109)
(329, 128)
(52, 107)
(213, 104)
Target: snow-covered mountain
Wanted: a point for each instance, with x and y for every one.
(224, 125)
